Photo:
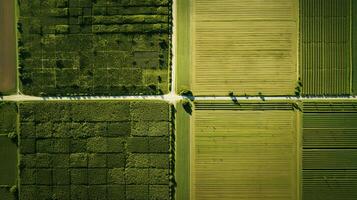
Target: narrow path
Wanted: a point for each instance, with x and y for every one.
(171, 97)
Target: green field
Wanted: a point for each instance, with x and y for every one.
(8, 149)
(329, 151)
(95, 150)
(182, 155)
(183, 48)
(246, 47)
(8, 155)
(325, 44)
(262, 106)
(241, 153)
(85, 47)
(354, 47)
(8, 117)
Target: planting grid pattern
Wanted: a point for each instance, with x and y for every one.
(85, 47)
(92, 150)
(122, 149)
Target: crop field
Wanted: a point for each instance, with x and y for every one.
(329, 151)
(247, 47)
(8, 117)
(7, 47)
(95, 150)
(8, 152)
(182, 153)
(238, 152)
(354, 47)
(325, 47)
(178, 100)
(99, 47)
(183, 47)
(8, 149)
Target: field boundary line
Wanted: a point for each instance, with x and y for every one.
(171, 97)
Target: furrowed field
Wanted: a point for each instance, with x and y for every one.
(94, 47)
(325, 47)
(88, 150)
(329, 151)
(246, 151)
(7, 47)
(248, 47)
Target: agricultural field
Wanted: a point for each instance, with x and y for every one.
(263, 107)
(329, 151)
(246, 47)
(8, 149)
(94, 47)
(354, 47)
(7, 48)
(325, 45)
(245, 151)
(95, 150)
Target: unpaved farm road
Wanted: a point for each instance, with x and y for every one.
(7, 46)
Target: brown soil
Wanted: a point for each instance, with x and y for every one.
(7, 46)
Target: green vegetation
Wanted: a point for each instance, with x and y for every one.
(325, 57)
(8, 167)
(329, 151)
(8, 150)
(8, 117)
(183, 46)
(182, 153)
(187, 106)
(245, 47)
(90, 150)
(84, 47)
(354, 47)
(250, 144)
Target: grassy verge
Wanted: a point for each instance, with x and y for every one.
(182, 153)
(183, 59)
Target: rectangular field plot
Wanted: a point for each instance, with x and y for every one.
(8, 149)
(7, 47)
(8, 117)
(95, 150)
(330, 151)
(354, 47)
(85, 47)
(8, 157)
(325, 45)
(247, 47)
(241, 153)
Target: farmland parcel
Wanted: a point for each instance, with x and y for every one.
(95, 150)
(245, 47)
(329, 151)
(325, 47)
(85, 47)
(246, 151)
(8, 149)
(7, 47)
